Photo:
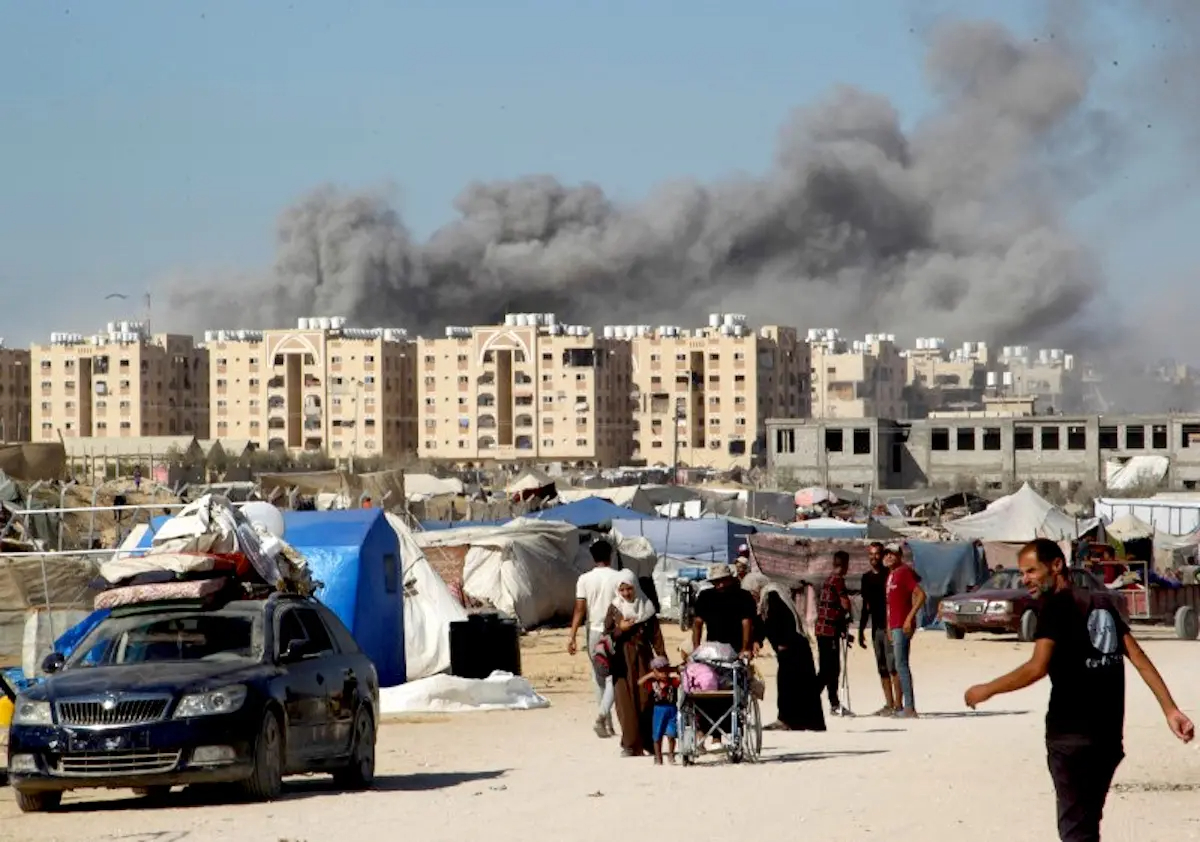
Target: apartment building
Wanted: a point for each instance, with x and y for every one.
(15, 385)
(528, 390)
(122, 382)
(940, 378)
(1051, 376)
(318, 387)
(993, 452)
(857, 379)
(701, 397)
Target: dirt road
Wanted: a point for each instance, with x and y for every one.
(542, 775)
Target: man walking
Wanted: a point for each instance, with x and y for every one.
(874, 609)
(905, 598)
(833, 620)
(1081, 642)
(594, 594)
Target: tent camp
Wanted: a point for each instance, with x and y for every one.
(1019, 517)
(525, 568)
(356, 555)
(832, 527)
(1168, 550)
(590, 511)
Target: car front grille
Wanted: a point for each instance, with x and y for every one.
(109, 763)
(112, 711)
(971, 608)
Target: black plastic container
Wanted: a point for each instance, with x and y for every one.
(484, 643)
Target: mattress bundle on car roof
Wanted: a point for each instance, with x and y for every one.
(208, 548)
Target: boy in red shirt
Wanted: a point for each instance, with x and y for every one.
(663, 683)
(905, 597)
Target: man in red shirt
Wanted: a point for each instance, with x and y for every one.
(833, 618)
(905, 597)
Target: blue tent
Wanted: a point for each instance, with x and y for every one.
(705, 539)
(590, 511)
(945, 568)
(356, 555)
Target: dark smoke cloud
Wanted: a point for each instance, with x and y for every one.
(956, 227)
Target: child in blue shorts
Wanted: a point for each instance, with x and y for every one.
(663, 683)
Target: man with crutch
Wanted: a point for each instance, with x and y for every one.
(833, 619)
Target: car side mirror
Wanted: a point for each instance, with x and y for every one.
(53, 662)
(295, 651)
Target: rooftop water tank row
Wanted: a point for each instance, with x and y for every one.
(530, 320)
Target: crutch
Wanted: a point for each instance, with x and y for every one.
(844, 644)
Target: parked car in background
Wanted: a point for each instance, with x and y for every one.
(1002, 605)
(166, 694)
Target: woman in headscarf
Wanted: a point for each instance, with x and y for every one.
(799, 694)
(637, 638)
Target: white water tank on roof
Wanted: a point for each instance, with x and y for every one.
(111, 327)
(1008, 378)
(302, 323)
(1056, 354)
(1044, 356)
(610, 332)
(714, 319)
(922, 344)
(1069, 362)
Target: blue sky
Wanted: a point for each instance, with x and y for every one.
(142, 138)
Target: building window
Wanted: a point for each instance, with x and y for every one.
(862, 441)
(785, 441)
(1076, 438)
(833, 440)
(991, 438)
(1050, 438)
(1158, 437)
(1108, 438)
(939, 438)
(966, 438)
(1135, 438)
(1187, 433)
(1023, 438)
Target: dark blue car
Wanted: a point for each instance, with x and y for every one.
(160, 695)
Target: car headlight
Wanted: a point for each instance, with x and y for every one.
(950, 607)
(225, 700)
(28, 712)
(1002, 607)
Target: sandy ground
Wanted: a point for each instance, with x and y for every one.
(543, 775)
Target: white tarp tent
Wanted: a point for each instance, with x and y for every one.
(418, 487)
(1135, 471)
(429, 608)
(1021, 516)
(526, 568)
(1129, 527)
(1175, 514)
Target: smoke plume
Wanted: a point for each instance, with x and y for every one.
(958, 226)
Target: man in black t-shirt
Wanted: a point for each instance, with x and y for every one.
(874, 610)
(726, 611)
(1081, 642)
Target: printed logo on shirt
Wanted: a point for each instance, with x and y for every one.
(1102, 630)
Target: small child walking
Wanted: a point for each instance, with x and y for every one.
(663, 683)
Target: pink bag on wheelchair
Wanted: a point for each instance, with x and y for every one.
(699, 678)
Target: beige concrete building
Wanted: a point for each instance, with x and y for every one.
(857, 379)
(530, 390)
(123, 382)
(940, 378)
(15, 386)
(320, 387)
(1050, 375)
(702, 396)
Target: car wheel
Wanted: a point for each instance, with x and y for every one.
(38, 802)
(359, 773)
(1187, 625)
(955, 632)
(266, 781)
(1028, 625)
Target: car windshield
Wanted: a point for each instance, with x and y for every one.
(175, 636)
(1003, 580)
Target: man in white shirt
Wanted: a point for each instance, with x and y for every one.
(594, 593)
